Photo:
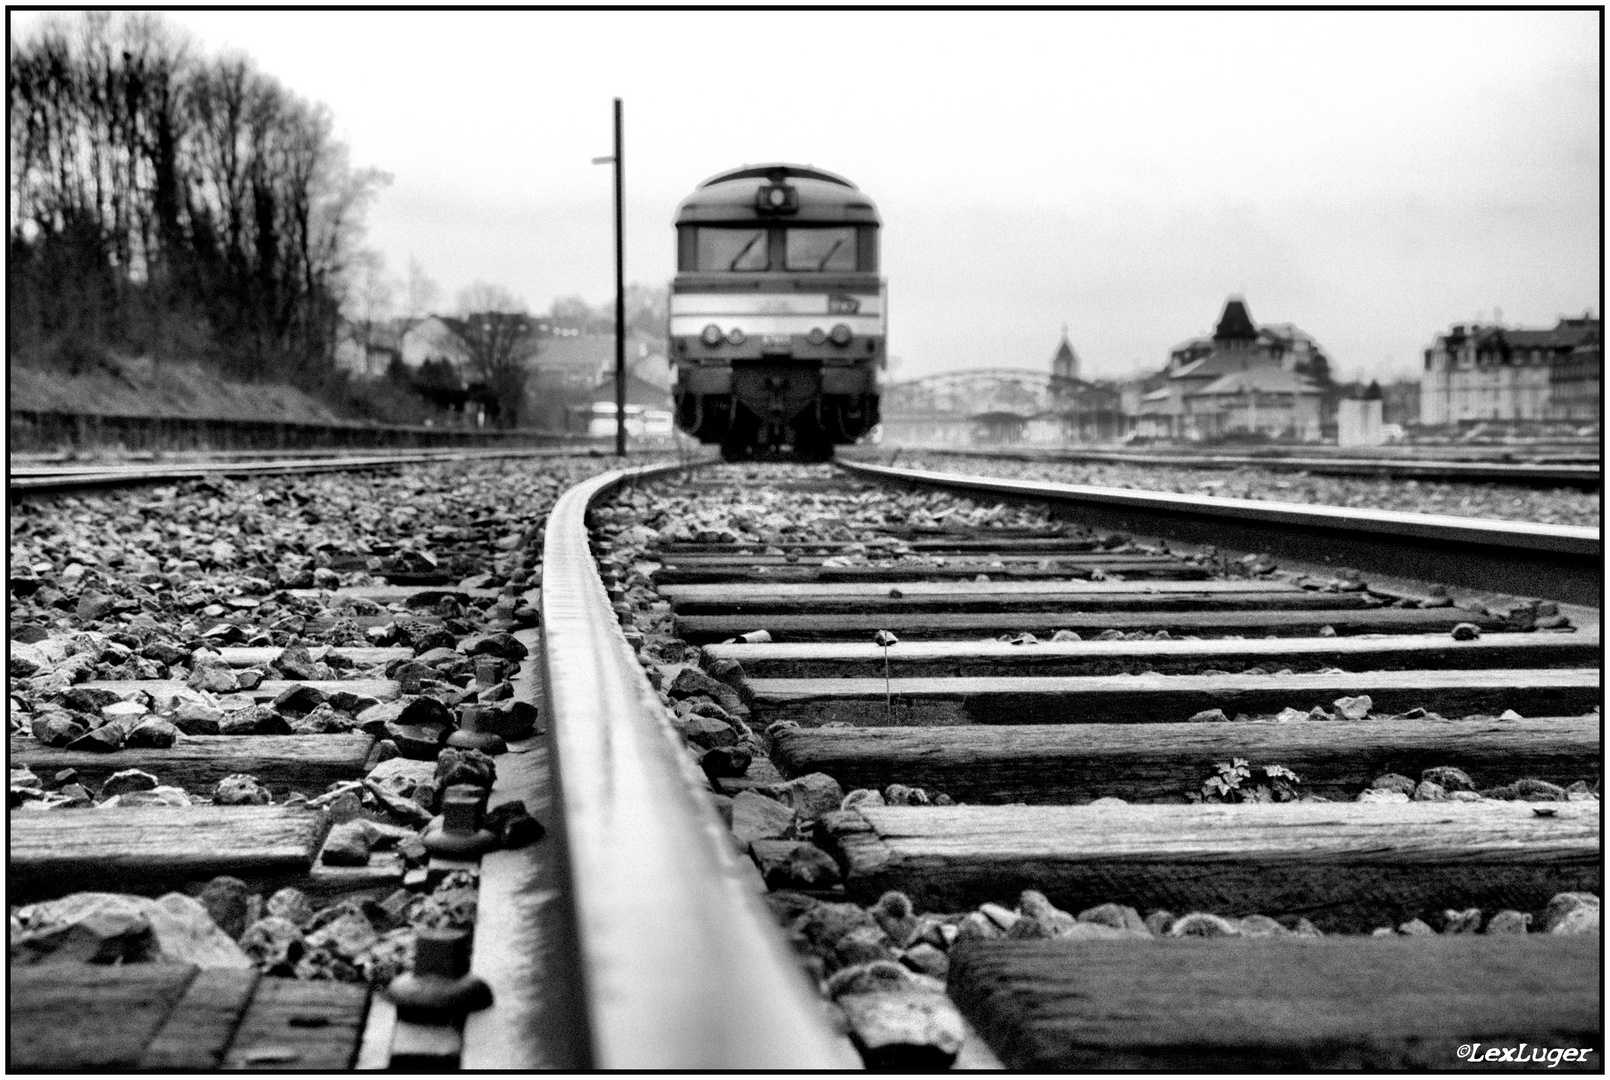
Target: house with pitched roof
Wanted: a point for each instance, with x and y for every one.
(1245, 378)
(1477, 372)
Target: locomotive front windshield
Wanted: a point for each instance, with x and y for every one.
(732, 249)
(757, 249)
(820, 249)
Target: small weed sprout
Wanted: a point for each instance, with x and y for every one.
(1237, 781)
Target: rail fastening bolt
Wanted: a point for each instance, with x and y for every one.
(461, 835)
(472, 733)
(440, 989)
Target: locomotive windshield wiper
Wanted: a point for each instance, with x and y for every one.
(739, 257)
(830, 252)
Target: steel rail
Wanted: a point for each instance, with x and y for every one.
(1558, 562)
(1529, 474)
(681, 964)
(31, 480)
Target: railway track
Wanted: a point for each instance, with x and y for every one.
(1523, 467)
(33, 476)
(643, 930)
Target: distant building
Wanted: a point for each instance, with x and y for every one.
(435, 338)
(1576, 381)
(367, 350)
(1078, 411)
(1400, 402)
(1478, 372)
(1243, 379)
(569, 369)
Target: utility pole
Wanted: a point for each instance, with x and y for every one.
(620, 287)
(620, 292)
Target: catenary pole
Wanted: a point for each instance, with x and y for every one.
(620, 291)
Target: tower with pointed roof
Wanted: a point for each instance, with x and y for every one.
(1236, 328)
(1065, 364)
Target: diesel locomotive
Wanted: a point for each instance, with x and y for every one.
(777, 312)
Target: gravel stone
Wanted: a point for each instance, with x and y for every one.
(1508, 922)
(240, 789)
(1426, 791)
(1448, 778)
(347, 845)
(127, 780)
(896, 919)
(1564, 904)
(811, 795)
(290, 904)
(756, 817)
(725, 761)
(152, 734)
(788, 864)
(228, 901)
(1202, 924)
(274, 945)
(925, 959)
(1117, 916)
(908, 1030)
(1353, 708)
(1393, 782)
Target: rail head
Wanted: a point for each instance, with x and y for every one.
(1562, 562)
(682, 968)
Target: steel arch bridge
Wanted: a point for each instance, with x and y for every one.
(976, 392)
(989, 406)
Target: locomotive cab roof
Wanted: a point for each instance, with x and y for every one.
(822, 197)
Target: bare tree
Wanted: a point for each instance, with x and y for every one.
(500, 337)
(420, 294)
(371, 298)
(163, 202)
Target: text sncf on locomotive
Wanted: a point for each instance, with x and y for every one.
(777, 312)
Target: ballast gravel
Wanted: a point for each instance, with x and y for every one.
(1556, 506)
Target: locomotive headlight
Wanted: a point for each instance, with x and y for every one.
(735, 336)
(841, 334)
(711, 335)
(776, 198)
(816, 336)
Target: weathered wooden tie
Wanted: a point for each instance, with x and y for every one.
(307, 763)
(139, 849)
(1345, 866)
(1166, 762)
(198, 1031)
(1099, 699)
(305, 1026)
(76, 1017)
(1281, 1003)
(704, 629)
(911, 659)
(685, 572)
(878, 599)
(265, 691)
(168, 1017)
(927, 544)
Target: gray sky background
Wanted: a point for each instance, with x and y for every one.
(1370, 176)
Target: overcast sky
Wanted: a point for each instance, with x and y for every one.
(1370, 176)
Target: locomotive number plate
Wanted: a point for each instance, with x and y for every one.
(775, 339)
(843, 305)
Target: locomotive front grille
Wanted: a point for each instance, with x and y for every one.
(777, 391)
